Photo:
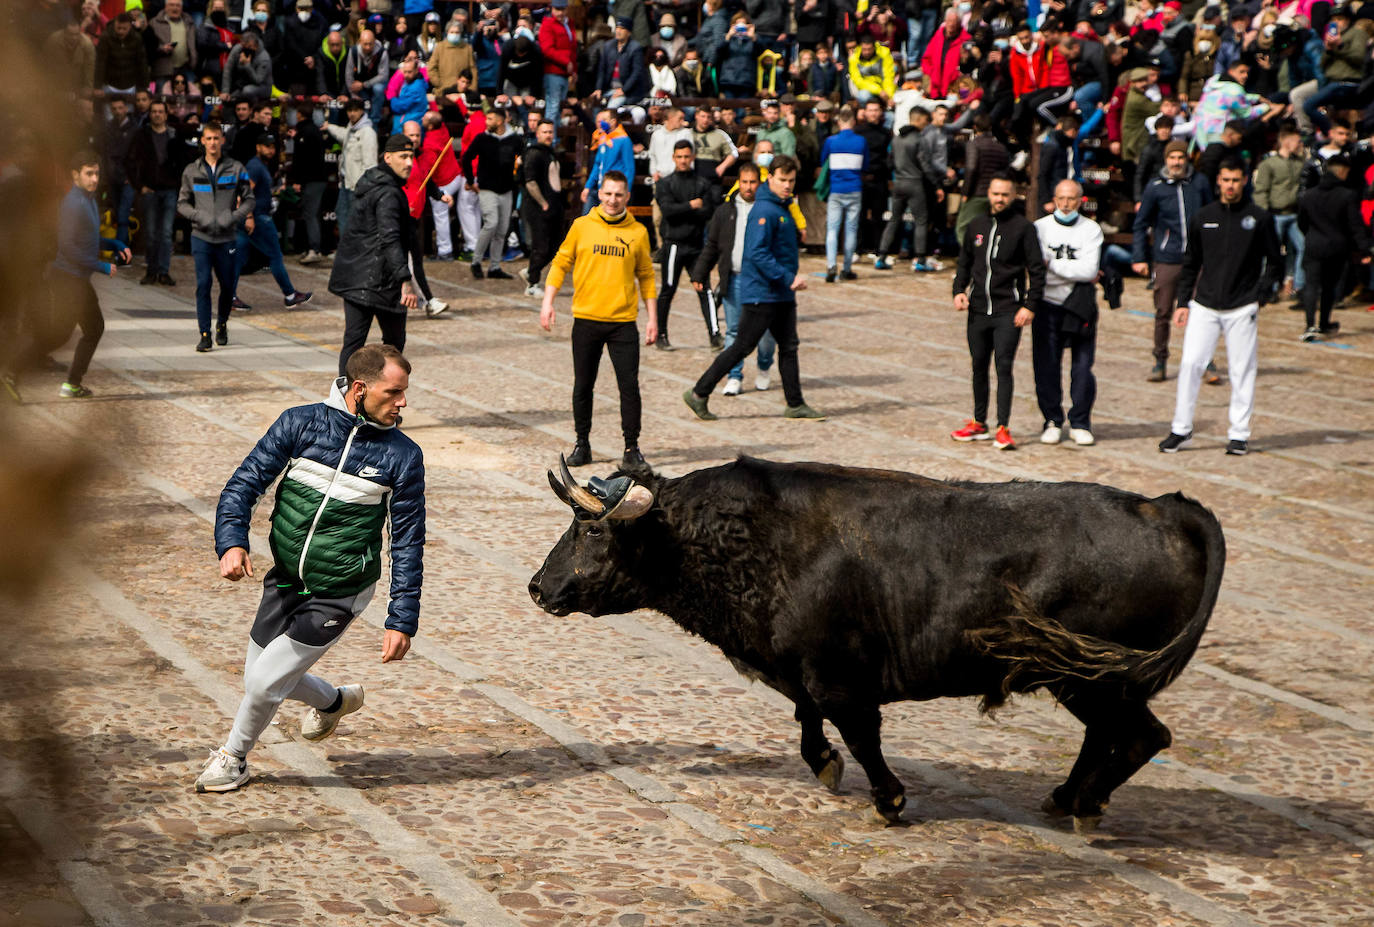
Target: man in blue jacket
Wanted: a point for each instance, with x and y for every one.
(846, 155)
(614, 152)
(346, 470)
(78, 256)
(769, 281)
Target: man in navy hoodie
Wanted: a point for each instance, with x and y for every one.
(769, 281)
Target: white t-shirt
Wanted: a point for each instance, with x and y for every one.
(1071, 252)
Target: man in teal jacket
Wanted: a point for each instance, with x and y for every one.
(346, 470)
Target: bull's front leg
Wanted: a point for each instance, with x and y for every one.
(825, 761)
(859, 726)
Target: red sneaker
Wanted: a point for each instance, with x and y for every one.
(972, 431)
(1003, 441)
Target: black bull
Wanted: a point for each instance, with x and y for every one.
(846, 589)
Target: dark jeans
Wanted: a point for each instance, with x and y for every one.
(358, 322)
(1323, 283)
(543, 235)
(1048, 341)
(221, 259)
(907, 195)
(781, 320)
(621, 341)
(872, 204)
(75, 303)
(1166, 299)
(122, 197)
(1334, 94)
(417, 258)
(265, 239)
(159, 211)
(992, 336)
(676, 259)
(312, 195)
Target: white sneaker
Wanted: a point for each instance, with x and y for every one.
(435, 308)
(763, 380)
(223, 772)
(534, 290)
(733, 386)
(1019, 161)
(524, 274)
(1052, 434)
(310, 257)
(1082, 437)
(320, 724)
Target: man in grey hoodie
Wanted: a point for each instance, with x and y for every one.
(359, 141)
(910, 174)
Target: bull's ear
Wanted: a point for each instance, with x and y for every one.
(559, 490)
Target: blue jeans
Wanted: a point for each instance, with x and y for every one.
(841, 208)
(1332, 94)
(218, 258)
(378, 96)
(265, 239)
(1087, 97)
(123, 204)
(159, 211)
(767, 344)
(920, 34)
(342, 207)
(1294, 243)
(555, 92)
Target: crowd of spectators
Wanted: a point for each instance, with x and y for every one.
(899, 113)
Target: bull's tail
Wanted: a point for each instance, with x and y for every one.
(1038, 651)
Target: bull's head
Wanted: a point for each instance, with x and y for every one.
(594, 567)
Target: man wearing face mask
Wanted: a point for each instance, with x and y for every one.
(1071, 246)
(302, 34)
(668, 39)
(614, 152)
(450, 58)
(686, 202)
(366, 72)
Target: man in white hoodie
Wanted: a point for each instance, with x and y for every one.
(1067, 316)
(359, 141)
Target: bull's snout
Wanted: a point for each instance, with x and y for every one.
(536, 593)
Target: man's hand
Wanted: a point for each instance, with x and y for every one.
(127, 255)
(395, 645)
(1023, 317)
(309, 62)
(1181, 316)
(1115, 148)
(111, 271)
(699, 287)
(408, 297)
(961, 302)
(696, 203)
(720, 170)
(939, 196)
(799, 282)
(235, 565)
(145, 189)
(1142, 268)
(356, 86)
(446, 199)
(651, 329)
(546, 312)
(585, 192)
(249, 225)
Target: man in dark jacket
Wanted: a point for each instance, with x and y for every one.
(121, 59)
(769, 281)
(496, 152)
(997, 254)
(1167, 206)
(1231, 268)
(873, 199)
(371, 270)
(263, 238)
(294, 69)
(115, 140)
(686, 201)
(623, 73)
(911, 177)
(1056, 160)
(542, 205)
(984, 158)
(309, 176)
(715, 22)
(1329, 218)
(156, 160)
(347, 472)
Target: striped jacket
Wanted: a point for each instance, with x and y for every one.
(215, 201)
(342, 478)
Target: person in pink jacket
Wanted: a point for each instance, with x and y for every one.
(940, 63)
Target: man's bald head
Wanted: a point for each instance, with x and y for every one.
(431, 120)
(411, 130)
(1068, 196)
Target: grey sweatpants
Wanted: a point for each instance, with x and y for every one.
(491, 241)
(290, 633)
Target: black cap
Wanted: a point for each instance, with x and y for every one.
(1338, 160)
(397, 142)
(267, 138)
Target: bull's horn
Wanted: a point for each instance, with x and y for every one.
(583, 499)
(636, 502)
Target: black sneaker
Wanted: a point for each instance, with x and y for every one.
(581, 455)
(633, 463)
(221, 334)
(497, 273)
(717, 341)
(241, 306)
(882, 263)
(298, 299)
(830, 275)
(849, 275)
(148, 279)
(166, 280)
(1237, 448)
(698, 405)
(477, 270)
(205, 344)
(1174, 443)
(1157, 373)
(1331, 328)
(663, 344)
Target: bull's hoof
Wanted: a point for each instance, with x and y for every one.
(1052, 808)
(832, 772)
(889, 810)
(1087, 824)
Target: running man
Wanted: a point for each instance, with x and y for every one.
(608, 253)
(263, 234)
(348, 470)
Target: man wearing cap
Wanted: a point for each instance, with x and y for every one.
(371, 272)
(775, 130)
(359, 142)
(1168, 203)
(623, 76)
(558, 45)
(614, 152)
(1138, 107)
(668, 39)
(686, 202)
(262, 235)
(498, 155)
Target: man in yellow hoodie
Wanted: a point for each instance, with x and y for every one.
(607, 251)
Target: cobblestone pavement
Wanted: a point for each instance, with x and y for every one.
(524, 769)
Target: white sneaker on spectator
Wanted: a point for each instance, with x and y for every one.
(524, 274)
(534, 290)
(732, 386)
(1052, 434)
(763, 380)
(1082, 437)
(435, 308)
(311, 257)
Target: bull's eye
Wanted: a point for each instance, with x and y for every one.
(594, 531)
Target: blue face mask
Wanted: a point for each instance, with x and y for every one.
(1067, 218)
(763, 159)
(666, 32)
(1002, 44)
(604, 126)
(260, 16)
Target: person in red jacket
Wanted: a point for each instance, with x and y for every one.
(417, 186)
(1047, 88)
(437, 160)
(558, 44)
(940, 63)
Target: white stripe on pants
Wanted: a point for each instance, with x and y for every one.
(1240, 328)
(443, 238)
(495, 222)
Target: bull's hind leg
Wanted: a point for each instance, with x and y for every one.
(859, 726)
(825, 761)
(1131, 735)
(1097, 747)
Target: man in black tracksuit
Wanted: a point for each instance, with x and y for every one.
(999, 251)
(1329, 218)
(541, 207)
(686, 201)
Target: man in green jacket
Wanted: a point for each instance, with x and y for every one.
(1137, 108)
(1278, 181)
(1343, 63)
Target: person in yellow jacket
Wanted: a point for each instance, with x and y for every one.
(872, 75)
(607, 251)
(763, 157)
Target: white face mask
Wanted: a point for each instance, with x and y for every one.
(303, 15)
(1204, 47)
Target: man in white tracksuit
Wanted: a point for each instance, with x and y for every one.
(1067, 316)
(1232, 268)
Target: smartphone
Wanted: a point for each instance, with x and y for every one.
(1332, 30)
